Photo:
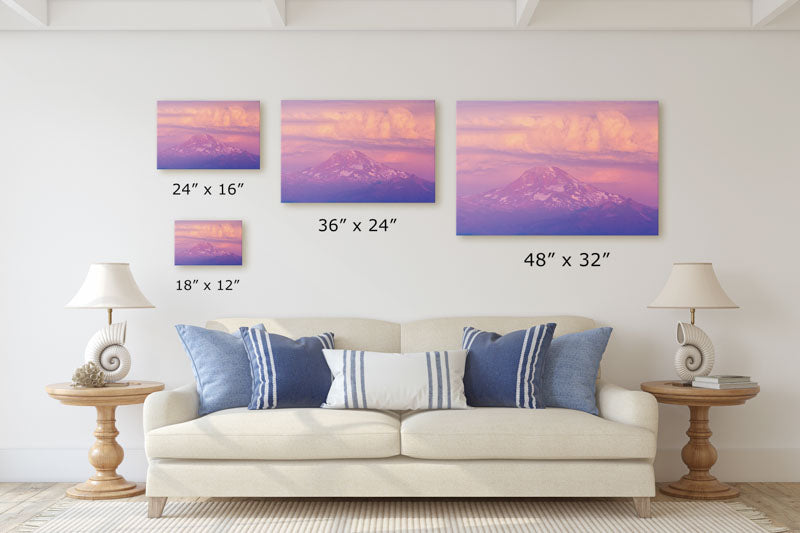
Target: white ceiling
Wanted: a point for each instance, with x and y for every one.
(399, 14)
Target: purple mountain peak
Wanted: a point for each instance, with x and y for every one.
(203, 150)
(353, 176)
(353, 160)
(551, 188)
(548, 200)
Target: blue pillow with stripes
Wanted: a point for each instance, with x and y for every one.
(287, 372)
(506, 370)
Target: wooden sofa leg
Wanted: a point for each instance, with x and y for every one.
(155, 506)
(642, 506)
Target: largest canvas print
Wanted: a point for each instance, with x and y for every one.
(358, 151)
(557, 168)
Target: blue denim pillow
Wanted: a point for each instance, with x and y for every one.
(506, 371)
(220, 365)
(571, 369)
(287, 372)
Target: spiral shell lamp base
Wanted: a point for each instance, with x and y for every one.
(106, 349)
(695, 357)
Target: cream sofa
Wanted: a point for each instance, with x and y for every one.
(480, 452)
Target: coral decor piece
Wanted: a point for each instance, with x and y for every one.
(89, 375)
(358, 151)
(557, 168)
(209, 134)
(106, 350)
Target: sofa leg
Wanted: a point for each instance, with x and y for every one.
(155, 506)
(642, 506)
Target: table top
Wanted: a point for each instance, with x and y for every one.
(132, 393)
(673, 392)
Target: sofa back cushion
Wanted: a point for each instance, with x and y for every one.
(447, 333)
(417, 336)
(351, 333)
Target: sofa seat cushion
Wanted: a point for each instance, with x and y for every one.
(281, 434)
(509, 433)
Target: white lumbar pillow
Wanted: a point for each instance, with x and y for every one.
(396, 381)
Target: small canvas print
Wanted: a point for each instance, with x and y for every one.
(358, 151)
(557, 168)
(209, 134)
(208, 242)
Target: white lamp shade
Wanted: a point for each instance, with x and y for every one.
(109, 286)
(693, 286)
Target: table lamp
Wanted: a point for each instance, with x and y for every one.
(693, 286)
(109, 286)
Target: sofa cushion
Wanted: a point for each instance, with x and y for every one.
(570, 372)
(509, 433)
(279, 434)
(397, 381)
(506, 370)
(286, 372)
(220, 365)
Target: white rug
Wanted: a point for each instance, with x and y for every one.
(566, 516)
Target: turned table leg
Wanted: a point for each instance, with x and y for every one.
(699, 455)
(105, 455)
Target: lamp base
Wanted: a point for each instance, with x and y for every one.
(695, 356)
(118, 384)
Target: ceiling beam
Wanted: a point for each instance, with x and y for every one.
(525, 9)
(277, 11)
(34, 11)
(765, 11)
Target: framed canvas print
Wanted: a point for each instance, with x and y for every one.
(358, 151)
(221, 134)
(208, 242)
(557, 168)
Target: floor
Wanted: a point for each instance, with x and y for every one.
(21, 501)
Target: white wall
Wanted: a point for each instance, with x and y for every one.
(79, 184)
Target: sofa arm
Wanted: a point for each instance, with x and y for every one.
(635, 408)
(170, 407)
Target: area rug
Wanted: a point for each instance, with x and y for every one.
(565, 516)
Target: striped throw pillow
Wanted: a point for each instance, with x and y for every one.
(506, 370)
(410, 381)
(286, 372)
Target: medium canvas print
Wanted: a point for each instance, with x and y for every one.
(209, 134)
(358, 151)
(208, 242)
(557, 168)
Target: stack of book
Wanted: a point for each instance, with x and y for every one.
(723, 382)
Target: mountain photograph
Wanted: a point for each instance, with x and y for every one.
(209, 135)
(557, 168)
(208, 242)
(358, 151)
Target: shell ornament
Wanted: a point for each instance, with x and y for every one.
(106, 350)
(695, 357)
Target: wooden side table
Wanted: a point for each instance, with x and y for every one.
(106, 454)
(698, 454)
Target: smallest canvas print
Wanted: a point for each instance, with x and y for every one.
(208, 242)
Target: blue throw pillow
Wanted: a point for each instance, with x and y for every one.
(286, 372)
(506, 371)
(220, 365)
(571, 369)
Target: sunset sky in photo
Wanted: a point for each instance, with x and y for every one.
(611, 145)
(398, 133)
(236, 123)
